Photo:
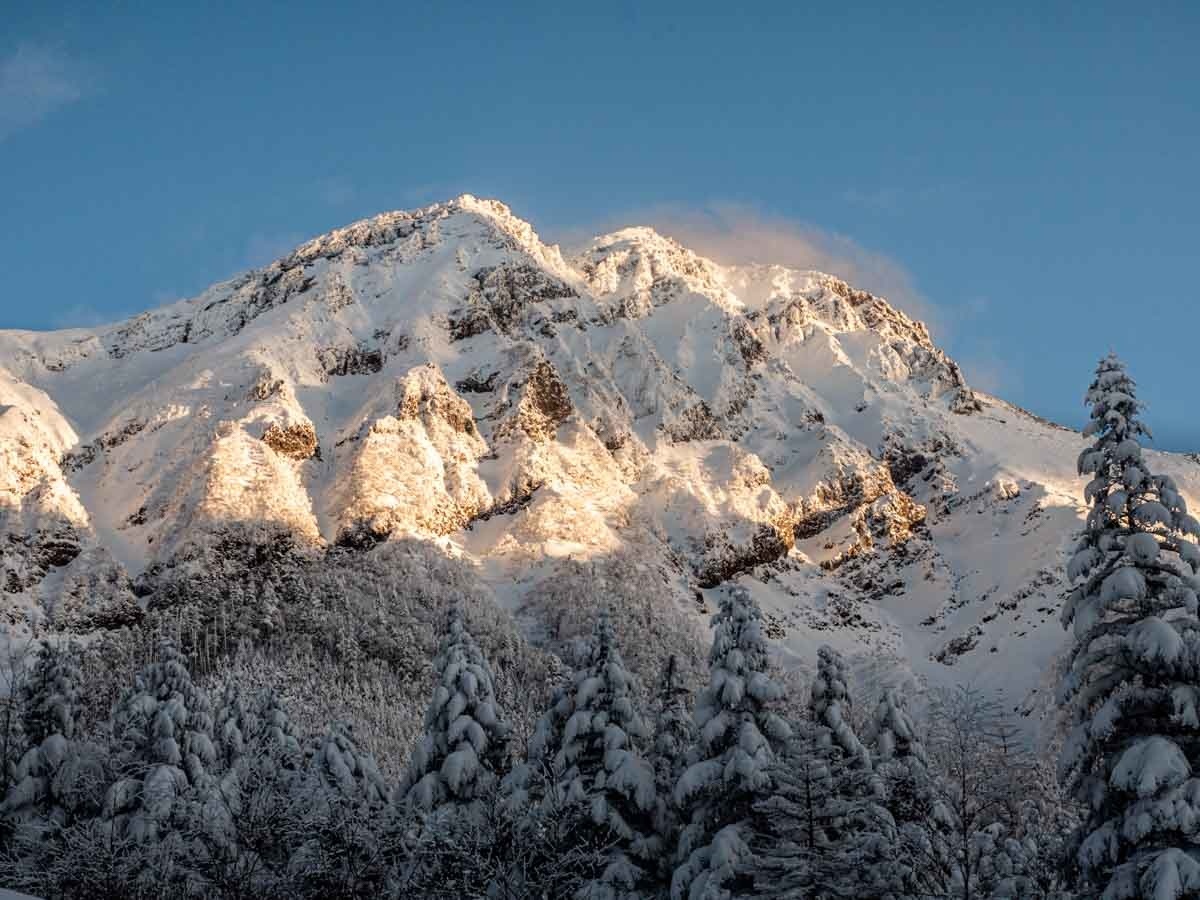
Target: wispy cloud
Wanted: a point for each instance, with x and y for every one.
(987, 368)
(83, 315)
(734, 234)
(35, 80)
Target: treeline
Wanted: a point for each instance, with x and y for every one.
(183, 794)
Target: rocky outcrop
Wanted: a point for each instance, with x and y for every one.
(544, 404)
(27, 556)
(839, 496)
(85, 455)
(724, 560)
(360, 360)
(412, 472)
(502, 298)
(425, 397)
(296, 441)
(695, 422)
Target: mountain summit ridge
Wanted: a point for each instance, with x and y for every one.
(442, 375)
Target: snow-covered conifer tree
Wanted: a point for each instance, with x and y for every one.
(1132, 689)
(247, 823)
(824, 831)
(49, 701)
(336, 767)
(57, 778)
(274, 735)
(891, 733)
(739, 738)
(464, 749)
(339, 795)
(674, 738)
(231, 723)
(914, 795)
(590, 742)
(831, 704)
(163, 746)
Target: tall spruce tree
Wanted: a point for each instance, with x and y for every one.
(258, 808)
(58, 778)
(591, 742)
(831, 702)
(891, 732)
(163, 749)
(464, 750)
(674, 738)
(340, 796)
(232, 724)
(1132, 689)
(739, 738)
(824, 831)
(914, 795)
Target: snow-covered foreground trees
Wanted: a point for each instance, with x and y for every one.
(180, 794)
(1133, 686)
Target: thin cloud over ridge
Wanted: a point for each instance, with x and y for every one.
(35, 80)
(732, 234)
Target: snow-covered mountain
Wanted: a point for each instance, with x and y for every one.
(635, 413)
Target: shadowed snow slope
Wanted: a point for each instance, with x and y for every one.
(442, 374)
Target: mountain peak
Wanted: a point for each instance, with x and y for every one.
(442, 375)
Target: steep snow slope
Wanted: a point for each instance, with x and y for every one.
(636, 414)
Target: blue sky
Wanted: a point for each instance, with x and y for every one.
(1026, 178)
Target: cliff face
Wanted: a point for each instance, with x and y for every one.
(442, 375)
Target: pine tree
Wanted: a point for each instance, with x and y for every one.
(590, 742)
(831, 704)
(823, 831)
(891, 732)
(739, 738)
(248, 819)
(674, 737)
(337, 769)
(232, 722)
(163, 748)
(1131, 689)
(340, 796)
(58, 777)
(914, 794)
(274, 737)
(48, 705)
(464, 749)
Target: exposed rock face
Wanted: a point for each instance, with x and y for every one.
(694, 423)
(850, 491)
(505, 292)
(26, 558)
(444, 377)
(86, 454)
(297, 441)
(544, 405)
(425, 396)
(359, 360)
